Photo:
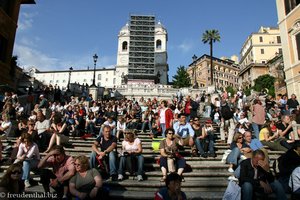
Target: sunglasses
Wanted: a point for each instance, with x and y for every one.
(171, 133)
(16, 172)
(240, 138)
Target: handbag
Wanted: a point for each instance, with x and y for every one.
(233, 191)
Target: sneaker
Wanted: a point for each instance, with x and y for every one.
(230, 170)
(140, 178)
(120, 177)
(232, 178)
(27, 184)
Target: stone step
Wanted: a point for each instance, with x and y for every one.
(143, 195)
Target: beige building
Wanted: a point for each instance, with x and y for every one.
(225, 72)
(256, 51)
(9, 14)
(289, 25)
(276, 69)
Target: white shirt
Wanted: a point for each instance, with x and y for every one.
(131, 147)
(6, 124)
(42, 126)
(295, 177)
(31, 153)
(162, 115)
(121, 126)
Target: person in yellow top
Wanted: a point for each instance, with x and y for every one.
(268, 136)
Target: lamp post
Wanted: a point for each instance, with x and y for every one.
(95, 57)
(194, 71)
(70, 71)
(158, 77)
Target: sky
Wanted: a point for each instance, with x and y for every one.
(59, 34)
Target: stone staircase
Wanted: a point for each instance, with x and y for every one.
(208, 179)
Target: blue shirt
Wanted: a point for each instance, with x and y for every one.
(255, 144)
(183, 130)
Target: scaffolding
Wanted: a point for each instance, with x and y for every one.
(141, 47)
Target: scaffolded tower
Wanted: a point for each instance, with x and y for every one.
(142, 47)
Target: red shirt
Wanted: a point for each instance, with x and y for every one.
(186, 108)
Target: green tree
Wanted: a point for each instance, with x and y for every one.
(265, 82)
(182, 78)
(231, 90)
(211, 36)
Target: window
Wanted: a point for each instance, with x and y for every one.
(106, 79)
(99, 84)
(280, 50)
(99, 76)
(124, 46)
(290, 5)
(84, 80)
(262, 51)
(158, 44)
(298, 44)
(260, 39)
(57, 81)
(114, 81)
(278, 40)
(64, 81)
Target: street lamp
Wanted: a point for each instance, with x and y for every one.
(194, 71)
(71, 69)
(95, 57)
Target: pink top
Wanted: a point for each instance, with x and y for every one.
(60, 169)
(259, 114)
(131, 147)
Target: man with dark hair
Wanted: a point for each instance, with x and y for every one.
(106, 153)
(172, 189)
(256, 177)
(184, 131)
(63, 170)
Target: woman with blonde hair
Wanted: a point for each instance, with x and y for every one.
(238, 147)
(132, 155)
(86, 183)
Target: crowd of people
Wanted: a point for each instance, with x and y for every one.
(250, 127)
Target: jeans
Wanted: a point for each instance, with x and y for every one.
(91, 128)
(234, 156)
(256, 129)
(27, 166)
(132, 159)
(146, 123)
(247, 191)
(112, 161)
(163, 130)
(180, 162)
(200, 145)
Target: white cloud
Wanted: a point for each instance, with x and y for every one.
(26, 20)
(29, 56)
(186, 45)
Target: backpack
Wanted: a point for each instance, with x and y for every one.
(226, 112)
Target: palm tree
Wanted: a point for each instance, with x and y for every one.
(211, 36)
